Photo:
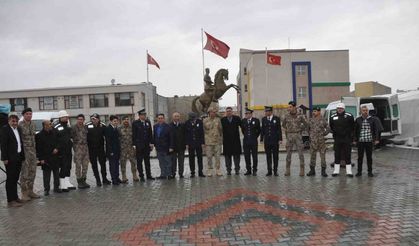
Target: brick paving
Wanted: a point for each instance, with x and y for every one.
(230, 210)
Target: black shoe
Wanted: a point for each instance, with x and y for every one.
(193, 175)
(229, 173)
(350, 175)
(170, 177)
(202, 175)
(237, 172)
(269, 174)
(142, 179)
(106, 182)
(150, 178)
(181, 176)
(276, 174)
(370, 175)
(335, 174)
(57, 190)
(65, 190)
(324, 174)
(312, 172)
(247, 174)
(161, 177)
(254, 173)
(46, 193)
(358, 174)
(98, 183)
(115, 183)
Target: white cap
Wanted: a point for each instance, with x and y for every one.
(341, 105)
(62, 113)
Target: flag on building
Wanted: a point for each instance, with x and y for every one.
(216, 46)
(273, 59)
(150, 60)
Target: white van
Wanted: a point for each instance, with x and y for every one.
(387, 109)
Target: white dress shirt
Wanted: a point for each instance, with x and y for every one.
(19, 144)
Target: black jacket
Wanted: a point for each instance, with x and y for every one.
(64, 142)
(271, 132)
(113, 145)
(342, 127)
(95, 135)
(250, 131)
(194, 133)
(142, 134)
(373, 126)
(46, 142)
(9, 145)
(178, 136)
(163, 142)
(231, 135)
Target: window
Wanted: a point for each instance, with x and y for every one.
(18, 104)
(246, 104)
(302, 92)
(124, 99)
(73, 102)
(395, 110)
(300, 70)
(47, 103)
(98, 100)
(143, 99)
(245, 88)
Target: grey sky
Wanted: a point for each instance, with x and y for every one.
(61, 43)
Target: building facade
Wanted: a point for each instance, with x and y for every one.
(311, 78)
(106, 100)
(370, 88)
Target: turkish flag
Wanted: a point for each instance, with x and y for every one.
(216, 46)
(273, 60)
(150, 60)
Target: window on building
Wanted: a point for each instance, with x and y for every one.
(300, 70)
(246, 104)
(73, 102)
(48, 103)
(98, 100)
(18, 104)
(143, 99)
(302, 92)
(245, 88)
(124, 99)
(395, 110)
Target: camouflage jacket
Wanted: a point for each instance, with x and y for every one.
(318, 128)
(28, 134)
(125, 136)
(79, 135)
(294, 123)
(213, 131)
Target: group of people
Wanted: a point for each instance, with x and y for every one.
(55, 147)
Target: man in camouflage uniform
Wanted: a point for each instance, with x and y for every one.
(213, 140)
(27, 176)
(127, 151)
(294, 124)
(81, 151)
(318, 129)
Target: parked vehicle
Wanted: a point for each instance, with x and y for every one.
(38, 117)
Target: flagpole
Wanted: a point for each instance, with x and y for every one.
(202, 50)
(147, 65)
(266, 75)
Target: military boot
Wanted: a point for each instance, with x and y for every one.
(85, 184)
(33, 195)
(302, 170)
(324, 174)
(287, 169)
(312, 171)
(25, 196)
(81, 184)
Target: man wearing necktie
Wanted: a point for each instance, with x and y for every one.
(177, 130)
(271, 136)
(251, 129)
(113, 148)
(231, 140)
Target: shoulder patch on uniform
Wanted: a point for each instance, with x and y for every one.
(58, 125)
(333, 115)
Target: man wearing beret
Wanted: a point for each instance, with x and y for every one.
(271, 136)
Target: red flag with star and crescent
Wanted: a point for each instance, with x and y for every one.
(150, 60)
(273, 59)
(216, 46)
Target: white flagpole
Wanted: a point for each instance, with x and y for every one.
(147, 65)
(266, 75)
(202, 50)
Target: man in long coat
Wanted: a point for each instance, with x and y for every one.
(231, 140)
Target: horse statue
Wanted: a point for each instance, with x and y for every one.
(212, 92)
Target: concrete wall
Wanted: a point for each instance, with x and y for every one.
(371, 88)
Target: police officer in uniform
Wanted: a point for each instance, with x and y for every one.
(251, 129)
(195, 142)
(271, 136)
(142, 140)
(342, 126)
(64, 144)
(96, 144)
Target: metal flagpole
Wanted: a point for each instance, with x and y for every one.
(202, 50)
(266, 75)
(147, 65)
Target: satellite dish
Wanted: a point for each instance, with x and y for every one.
(113, 81)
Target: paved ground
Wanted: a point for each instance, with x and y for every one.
(230, 210)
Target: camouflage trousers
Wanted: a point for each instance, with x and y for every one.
(294, 139)
(213, 151)
(318, 147)
(128, 154)
(28, 173)
(81, 159)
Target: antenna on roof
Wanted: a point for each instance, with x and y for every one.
(113, 81)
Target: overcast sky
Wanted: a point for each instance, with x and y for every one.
(82, 42)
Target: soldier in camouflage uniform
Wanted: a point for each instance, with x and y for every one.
(81, 151)
(294, 124)
(27, 176)
(318, 128)
(213, 140)
(127, 151)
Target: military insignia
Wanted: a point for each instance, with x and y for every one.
(335, 118)
(90, 126)
(274, 121)
(253, 122)
(60, 128)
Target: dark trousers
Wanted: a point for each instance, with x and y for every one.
(272, 152)
(178, 158)
(114, 168)
(251, 150)
(198, 152)
(46, 171)
(165, 163)
(367, 148)
(342, 152)
(94, 156)
(236, 158)
(65, 165)
(143, 154)
(12, 177)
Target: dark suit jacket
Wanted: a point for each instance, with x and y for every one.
(231, 135)
(178, 136)
(142, 134)
(113, 145)
(46, 142)
(271, 132)
(163, 141)
(9, 145)
(250, 131)
(194, 133)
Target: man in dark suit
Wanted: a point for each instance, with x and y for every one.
(195, 141)
(251, 129)
(142, 140)
(231, 140)
(47, 154)
(113, 148)
(164, 146)
(12, 155)
(178, 137)
(271, 136)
